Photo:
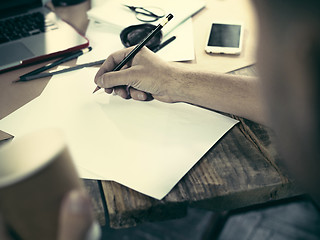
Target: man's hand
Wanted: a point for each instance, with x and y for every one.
(146, 75)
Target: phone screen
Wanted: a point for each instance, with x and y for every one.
(225, 35)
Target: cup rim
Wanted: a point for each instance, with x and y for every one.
(26, 155)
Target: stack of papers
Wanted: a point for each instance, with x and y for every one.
(105, 40)
(115, 13)
(108, 20)
(147, 146)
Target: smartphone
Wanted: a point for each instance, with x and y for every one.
(225, 38)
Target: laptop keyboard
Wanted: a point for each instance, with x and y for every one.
(24, 26)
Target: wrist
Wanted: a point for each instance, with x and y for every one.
(179, 86)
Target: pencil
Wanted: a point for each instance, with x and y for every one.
(51, 65)
(139, 46)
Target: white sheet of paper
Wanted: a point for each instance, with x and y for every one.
(147, 146)
(182, 48)
(105, 39)
(122, 16)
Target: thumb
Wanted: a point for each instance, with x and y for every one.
(119, 78)
(76, 218)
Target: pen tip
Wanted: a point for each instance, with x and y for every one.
(97, 88)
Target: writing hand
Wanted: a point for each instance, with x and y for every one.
(146, 74)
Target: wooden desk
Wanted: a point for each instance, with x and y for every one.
(242, 169)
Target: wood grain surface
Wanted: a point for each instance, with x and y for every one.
(242, 169)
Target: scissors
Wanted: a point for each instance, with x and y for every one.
(151, 14)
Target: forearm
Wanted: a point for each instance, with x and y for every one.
(170, 82)
(238, 95)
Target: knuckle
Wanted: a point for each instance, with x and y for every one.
(102, 80)
(97, 79)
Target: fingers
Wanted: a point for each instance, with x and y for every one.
(118, 81)
(108, 90)
(76, 217)
(114, 79)
(136, 74)
(138, 95)
(106, 78)
(129, 92)
(122, 92)
(111, 62)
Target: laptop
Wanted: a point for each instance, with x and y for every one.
(30, 32)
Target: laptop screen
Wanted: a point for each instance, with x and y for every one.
(8, 8)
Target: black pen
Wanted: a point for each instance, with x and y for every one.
(165, 43)
(49, 74)
(138, 47)
(26, 77)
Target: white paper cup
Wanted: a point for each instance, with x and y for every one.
(36, 171)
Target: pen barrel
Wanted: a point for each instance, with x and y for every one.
(28, 76)
(137, 48)
(43, 75)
